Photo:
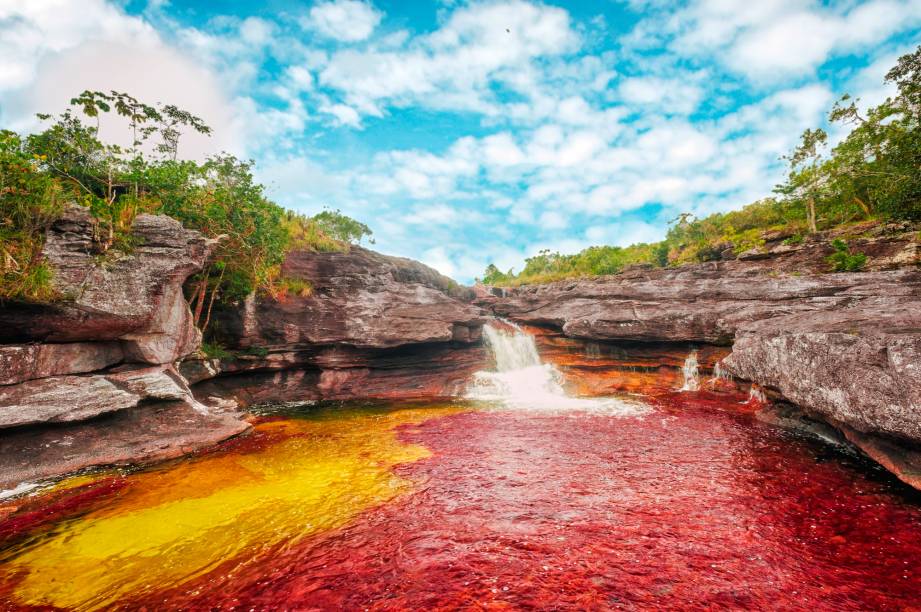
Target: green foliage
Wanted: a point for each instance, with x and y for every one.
(213, 350)
(285, 287)
(842, 260)
(495, 276)
(29, 201)
(257, 351)
(341, 227)
(67, 162)
(873, 173)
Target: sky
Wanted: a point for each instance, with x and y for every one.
(465, 133)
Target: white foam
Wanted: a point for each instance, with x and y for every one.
(19, 490)
(522, 382)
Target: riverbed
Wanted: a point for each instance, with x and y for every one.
(689, 502)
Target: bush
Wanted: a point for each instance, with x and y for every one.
(842, 260)
(213, 350)
(67, 162)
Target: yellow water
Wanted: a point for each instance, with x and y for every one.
(173, 524)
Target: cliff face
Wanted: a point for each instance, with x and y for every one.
(94, 378)
(103, 355)
(845, 347)
(372, 326)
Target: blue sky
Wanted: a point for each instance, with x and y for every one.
(466, 133)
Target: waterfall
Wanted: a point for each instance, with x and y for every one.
(756, 395)
(522, 381)
(691, 373)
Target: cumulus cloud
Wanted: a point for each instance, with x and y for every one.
(547, 130)
(452, 67)
(771, 40)
(54, 49)
(343, 20)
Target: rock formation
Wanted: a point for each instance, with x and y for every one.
(371, 326)
(106, 347)
(845, 347)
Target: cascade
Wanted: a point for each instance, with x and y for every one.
(522, 381)
(719, 373)
(756, 395)
(691, 373)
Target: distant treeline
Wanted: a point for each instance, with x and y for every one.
(874, 173)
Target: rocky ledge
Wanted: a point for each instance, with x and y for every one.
(844, 347)
(369, 326)
(102, 375)
(91, 379)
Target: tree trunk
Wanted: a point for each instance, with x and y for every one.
(200, 297)
(217, 286)
(810, 215)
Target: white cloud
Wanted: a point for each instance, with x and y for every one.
(343, 20)
(792, 45)
(344, 114)
(669, 95)
(54, 49)
(452, 67)
(772, 40)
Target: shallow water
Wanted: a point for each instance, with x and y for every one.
(690, 505)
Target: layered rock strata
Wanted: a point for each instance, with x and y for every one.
(369, 326)
(845, 347)
(103, 354)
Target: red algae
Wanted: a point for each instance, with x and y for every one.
(695, 505)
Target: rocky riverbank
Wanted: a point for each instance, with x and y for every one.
(369, 327)
(111, 372)
(843, 347)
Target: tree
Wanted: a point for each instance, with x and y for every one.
(341, 227)
(806, 179)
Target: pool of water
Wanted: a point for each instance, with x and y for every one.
(689, 503)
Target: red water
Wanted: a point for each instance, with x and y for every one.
(693, 506)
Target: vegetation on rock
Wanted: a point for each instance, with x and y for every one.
(873, 173)
(68, 163)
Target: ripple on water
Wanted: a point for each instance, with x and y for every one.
(447, 507)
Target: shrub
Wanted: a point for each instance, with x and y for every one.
(213, 350)
(842, 260)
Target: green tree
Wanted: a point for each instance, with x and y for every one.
(807, 179)
(341, 227)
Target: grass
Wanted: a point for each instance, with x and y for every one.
(213, 350)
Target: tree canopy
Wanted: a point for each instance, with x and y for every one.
(68, 162)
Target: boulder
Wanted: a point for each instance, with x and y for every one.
(359, 298)
(859, 367)
(132, 294)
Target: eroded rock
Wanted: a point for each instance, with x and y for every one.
(359, 298)
(133, 295)
(22, 362)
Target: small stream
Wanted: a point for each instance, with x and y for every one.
(516, 497)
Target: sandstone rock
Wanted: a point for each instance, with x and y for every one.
(197, 370)
(702, 303)
(60, 399)
(753, 254)
(860, 366)
(343, 372)
(22, 362)
(152, 432)
(359, 298)
(135, 296)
